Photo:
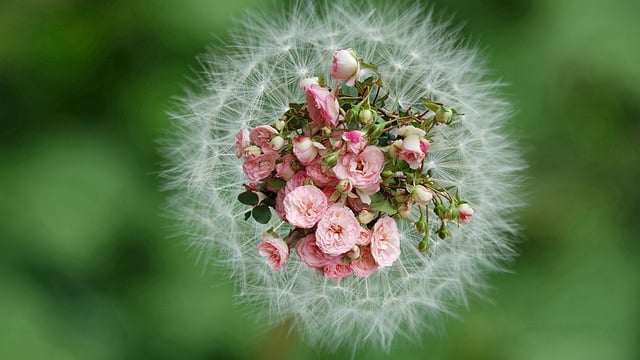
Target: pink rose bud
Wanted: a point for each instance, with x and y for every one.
(421, 195)
(355, 140)
(411, 130)
(242, 142)
(404, 210)
(414, 149)
(322, 105)
(276, 143)
(304, 149)
(344, 186)
(307, 82)
(464, 213)
(345, 66)
(285, 170)
(366, 216)
(275, 249)
(395, 148)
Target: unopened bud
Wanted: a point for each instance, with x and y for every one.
(344, 186)
(331, 159)
(404, 210)
(252, 151)
(354, 253)
(366, 216)
(365, 116)
(464, 213)
(276, 143)
(279, 124)
(443, 232)
(395, 148)
(423, 245)
(421, 195)
(444, 115)
(422, 225)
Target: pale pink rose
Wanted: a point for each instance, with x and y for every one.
(337, 271)
(385, 241)
(355, 140)
(414, 149)
(275, 248)
(304, 206)
(421, 195)
(296, 180)
(364, 237)
(284, 169)
(464, 213)
(305, 149)
(259, 167)
(345, 66)
(276, 143)
(363, 170)
(411, 130)
(262, 136)
(321, 175)
(242, 142)
(337, 231)
(322, 105)
(365, 265)
(280, 204)
(307, 82)
(312, 256)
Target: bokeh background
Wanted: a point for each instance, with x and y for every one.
(88, 269)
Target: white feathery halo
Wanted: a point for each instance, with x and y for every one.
(252, 82)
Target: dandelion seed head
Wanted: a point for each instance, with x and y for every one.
(252, 82)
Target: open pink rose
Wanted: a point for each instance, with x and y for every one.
(304, 206)
(345, 66)
(275, 248)
(242, 142)
(385, 241)
(363, 170)
(262, 136)
(321, 175)
(259, 167)
(365, 265)
(322, 105)
(337, 271)
(414, 149)
(312, 256)
(337, 231)
(364, 237)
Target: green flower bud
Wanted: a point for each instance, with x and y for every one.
(423, 245)
(365, 116)
(444, 115)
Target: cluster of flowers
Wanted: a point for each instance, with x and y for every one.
(340, 169)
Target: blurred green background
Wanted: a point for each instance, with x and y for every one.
(87, 267)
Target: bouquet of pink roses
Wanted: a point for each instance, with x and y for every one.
(340, 170)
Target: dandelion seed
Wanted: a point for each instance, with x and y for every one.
(252, 85)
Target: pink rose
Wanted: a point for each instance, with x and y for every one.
(242, 142)
(285, 170)
(337, 231)
(464, 213)
(304, 206)
(355, 140)
(322, 176)
(385, 241)
(305, 150)
(337, 271)
(322, 105)
(345, 66)
(363, 170)
(275, 248)
(365, 265)
(262, 136)
(364, 237)
(414, 149)
(312, 256)
(259, 167)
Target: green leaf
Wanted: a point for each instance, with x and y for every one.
(277, 183)
(379, 203)
(262, 214)
(247, 215)
(248, 198)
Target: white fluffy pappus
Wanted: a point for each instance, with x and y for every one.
(251, 83)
